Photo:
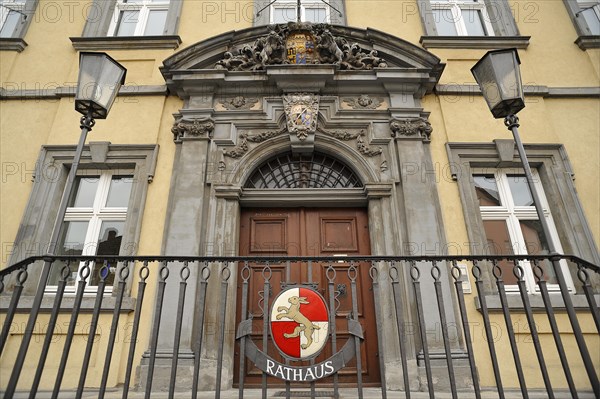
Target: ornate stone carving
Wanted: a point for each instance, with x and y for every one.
(301, 111)
(411, 127)
(364, 149)
(238, 102)
(273, 50)
(364, 101)
(341, 134)
(361, 146)
(242, 147)
(193, 128)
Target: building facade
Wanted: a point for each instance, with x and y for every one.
(355, 129)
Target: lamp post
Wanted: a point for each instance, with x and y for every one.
(499, 78)
(100, 78)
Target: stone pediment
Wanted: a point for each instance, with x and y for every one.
(345, 48)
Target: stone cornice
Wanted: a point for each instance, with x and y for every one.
(125, 43)
(479, 42)
(12, 44)
(587, 42)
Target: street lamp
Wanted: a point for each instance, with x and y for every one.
(100, 78)
(499, 78)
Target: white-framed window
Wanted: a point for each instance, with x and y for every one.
(461, 18)
(139, 18)
(512, 226)
(11, 15)
(94, 224)
(590, 11)
(284, 11)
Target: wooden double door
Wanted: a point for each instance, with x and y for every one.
(311, 232)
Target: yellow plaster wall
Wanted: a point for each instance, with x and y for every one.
(396, 17)
(50, 61)
(24, 127)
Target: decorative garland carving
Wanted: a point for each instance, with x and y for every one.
(361, 146)
(240, 149)
(193, 128)
(238, 102)
(411, 127)
(364, 101)
(271, 50)
(364, 149)
(340, 134)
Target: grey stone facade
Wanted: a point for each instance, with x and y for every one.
(231, 122)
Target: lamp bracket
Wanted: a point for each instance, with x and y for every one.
(511, 121)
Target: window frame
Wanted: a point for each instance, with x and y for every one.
(95, 215)
(499, 17)
(289, 4)
(556, 176)
(512, 215)
(16, 42)
(52, 169)
(456, 7)
(96, 32)
(144, 7)
(265, 16)
(586, 39)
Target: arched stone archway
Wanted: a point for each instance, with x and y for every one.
(367, 115)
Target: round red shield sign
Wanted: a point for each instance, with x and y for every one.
(299, 322)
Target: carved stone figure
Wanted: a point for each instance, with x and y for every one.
(364, 101)
(329, 51)
(271, 50)
(238, 102)
(411, 127)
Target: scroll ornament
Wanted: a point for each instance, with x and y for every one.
(186, 128)
(411, 127)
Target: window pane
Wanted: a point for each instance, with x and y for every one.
(71, 243)
(499, 243)
(444, 22)
(10, 24)
(119, 191)
(156, 23)
(487, 190)
(536, 244)
(591, 18)
(315, 14)
(474, 22)
(127, 22)
(109, 243)
(519, 190)
(84, 191)
(284, 14)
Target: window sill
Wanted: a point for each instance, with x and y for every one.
(66, 306)
(536, 301)
(125, 42)
(483, 42)
(12, 44)
(588, 42)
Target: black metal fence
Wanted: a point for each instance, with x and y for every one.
(410, 285)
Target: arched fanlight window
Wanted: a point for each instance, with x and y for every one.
(303, 171)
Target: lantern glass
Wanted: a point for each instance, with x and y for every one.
(100, 78)
(499, 78)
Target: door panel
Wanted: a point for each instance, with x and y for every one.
(311, 232)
